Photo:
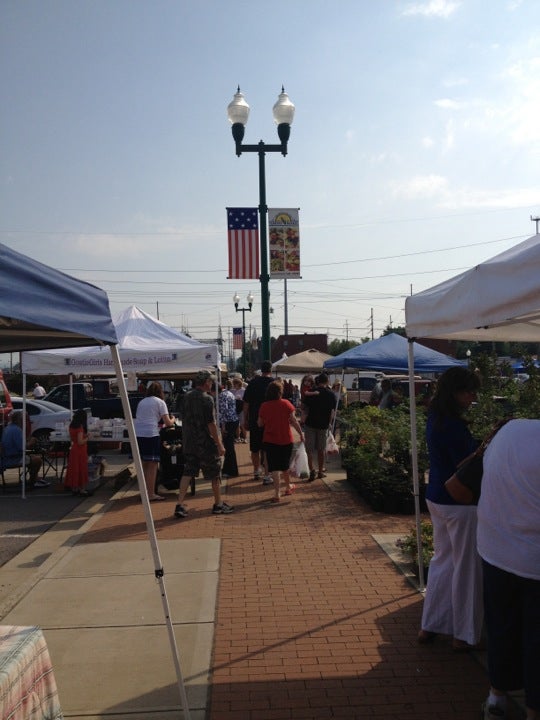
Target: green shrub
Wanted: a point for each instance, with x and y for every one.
(409, 544)
(376, 444)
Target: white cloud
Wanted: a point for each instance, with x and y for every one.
(433, 8)
(421, 187)
(450, 136)
(522, 112)
(448, 104)
(455, 82)
(507, 198)
(428, 142)
(438, 189)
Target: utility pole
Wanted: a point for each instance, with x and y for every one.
(286, 308)
(372, 328)
(535, 220)
(347, 330)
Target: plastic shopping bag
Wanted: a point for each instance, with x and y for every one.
(331, 444)
(299, 463)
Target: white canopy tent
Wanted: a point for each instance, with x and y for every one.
(496, 300)
(42, 307)
(308, 361)
(146, 346)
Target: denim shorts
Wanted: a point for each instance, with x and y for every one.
(149, 448)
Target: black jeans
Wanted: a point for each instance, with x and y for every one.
(230, 465)
(512, 614)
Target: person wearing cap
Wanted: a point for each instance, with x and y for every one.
(202, 445)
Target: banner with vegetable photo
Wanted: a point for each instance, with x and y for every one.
(284, 235)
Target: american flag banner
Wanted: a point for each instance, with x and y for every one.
(243, 234)
(237, 339)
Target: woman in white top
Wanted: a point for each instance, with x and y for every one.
(151, 411)
(508, 536)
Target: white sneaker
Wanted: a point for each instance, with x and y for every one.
(267, 480)
(493, 712)
(41, 483)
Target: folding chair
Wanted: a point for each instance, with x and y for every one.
(3, 468)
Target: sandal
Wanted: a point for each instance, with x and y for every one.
(290, 489)
(460, 646)
(156, 498)
(275, 499)
(426, 636)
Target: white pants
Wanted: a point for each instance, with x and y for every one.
(453, 603)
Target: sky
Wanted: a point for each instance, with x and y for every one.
(413, 155)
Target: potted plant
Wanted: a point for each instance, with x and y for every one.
(409, 545)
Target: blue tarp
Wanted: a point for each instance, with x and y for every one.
(390, 354)
(518, 365)
(41, 307)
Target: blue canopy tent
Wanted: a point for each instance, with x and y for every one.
(391, 354)
(41, 307)
(394, 353)
(519, 365)
(44, 308)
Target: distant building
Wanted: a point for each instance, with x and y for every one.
(294, 344)
(447, 347)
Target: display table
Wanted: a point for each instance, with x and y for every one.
(113, 433)
(27, 683)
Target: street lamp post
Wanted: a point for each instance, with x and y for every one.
(236, 300)
(238, 113)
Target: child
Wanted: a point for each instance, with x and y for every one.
(77, 469)
(307, 389)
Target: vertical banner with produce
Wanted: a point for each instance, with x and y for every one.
(284, 241)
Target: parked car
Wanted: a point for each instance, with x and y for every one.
(423, 388)
(43, 415)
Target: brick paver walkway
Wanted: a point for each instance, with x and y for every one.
(313, 621)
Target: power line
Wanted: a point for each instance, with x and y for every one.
(325, 264)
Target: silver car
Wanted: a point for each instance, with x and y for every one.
(43, 416)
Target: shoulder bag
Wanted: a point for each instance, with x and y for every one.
(465, 484)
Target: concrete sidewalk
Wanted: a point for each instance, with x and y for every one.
(279, 611)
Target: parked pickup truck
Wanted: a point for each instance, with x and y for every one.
(97, 396)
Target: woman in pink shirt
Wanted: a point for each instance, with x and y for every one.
(276, 416)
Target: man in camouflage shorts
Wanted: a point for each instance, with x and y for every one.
(201, 443)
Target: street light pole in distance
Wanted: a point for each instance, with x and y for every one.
(236, 301)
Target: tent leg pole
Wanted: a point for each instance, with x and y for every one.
(158, 568)
(23, 470)
(414, 457)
